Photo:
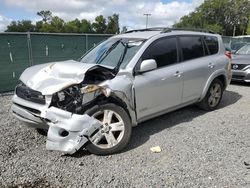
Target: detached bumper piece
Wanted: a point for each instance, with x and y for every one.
(69, 132)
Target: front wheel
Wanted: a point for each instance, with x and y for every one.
(213, 97)
(115, 131)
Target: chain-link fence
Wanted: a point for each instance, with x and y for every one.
(226, 40)
(21, 50)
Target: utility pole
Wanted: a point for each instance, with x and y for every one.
(147, 15)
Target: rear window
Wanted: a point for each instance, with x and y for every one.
(191, 47)
(212, 44)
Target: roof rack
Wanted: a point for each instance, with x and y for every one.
(166, 29)
(187, 29)
(147, 29)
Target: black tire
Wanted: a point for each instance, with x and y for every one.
(125, 136)
(205, 104)
(43, 132)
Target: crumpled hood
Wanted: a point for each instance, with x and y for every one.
(52, 77)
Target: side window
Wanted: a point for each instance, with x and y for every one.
(191, 47)
(163, 51)
(212, 44)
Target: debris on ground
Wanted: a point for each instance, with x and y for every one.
(156, 149)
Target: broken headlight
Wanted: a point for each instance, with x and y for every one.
(72, 98)
(29, 94)
(69, 99)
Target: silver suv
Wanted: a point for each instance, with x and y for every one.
(125, 80)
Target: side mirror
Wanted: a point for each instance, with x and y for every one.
(147, 65)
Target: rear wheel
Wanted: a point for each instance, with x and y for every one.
(213, 97)
(115, 132)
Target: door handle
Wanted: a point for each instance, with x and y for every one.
(178, 74)
(211, 65)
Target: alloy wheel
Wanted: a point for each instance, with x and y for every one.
(214, 95)
(112, 129)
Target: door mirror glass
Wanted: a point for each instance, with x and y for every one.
(147, 65)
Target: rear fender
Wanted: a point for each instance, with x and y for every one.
(216, 74)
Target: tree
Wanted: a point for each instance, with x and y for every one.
(21, 26)
(72, 26)
(228, 17)
(12, 27)
(124, 29)
(56, 25)
(113, 24)
(39, 26)
(85, 26)
(46, 15)
(214, 28)
(240, 12)
(99, 26)
(248, 26)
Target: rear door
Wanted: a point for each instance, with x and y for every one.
(196, 66)
(159, 89)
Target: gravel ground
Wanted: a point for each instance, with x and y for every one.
(199, 149)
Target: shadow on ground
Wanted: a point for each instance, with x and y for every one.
(142, 132)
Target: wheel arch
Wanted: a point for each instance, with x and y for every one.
(223, 80)
(102, 99)
(220, 75)
(117, 101)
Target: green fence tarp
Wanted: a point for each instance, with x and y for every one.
(21, 50)
(14, 58)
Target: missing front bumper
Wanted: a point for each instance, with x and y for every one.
(69, 132)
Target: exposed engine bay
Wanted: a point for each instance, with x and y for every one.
(75, 98)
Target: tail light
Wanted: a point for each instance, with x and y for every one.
(228, 54)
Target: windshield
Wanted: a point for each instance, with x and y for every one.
(113, 52)
(245, 50)
(237, 46)
(238, 42)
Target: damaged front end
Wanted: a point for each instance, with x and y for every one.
(57, 96)
(63, 112)
(69, 126)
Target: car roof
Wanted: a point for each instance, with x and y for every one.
(139, 34)
(146, 34)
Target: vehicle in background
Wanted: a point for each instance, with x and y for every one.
(241, 64)
(237, 42)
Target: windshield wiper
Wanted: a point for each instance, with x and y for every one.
(107, 52)
(117, 67)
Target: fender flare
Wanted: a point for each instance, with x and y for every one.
(216, 74)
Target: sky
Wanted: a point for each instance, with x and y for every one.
(164, 13)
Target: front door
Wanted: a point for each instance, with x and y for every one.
(159, 89)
